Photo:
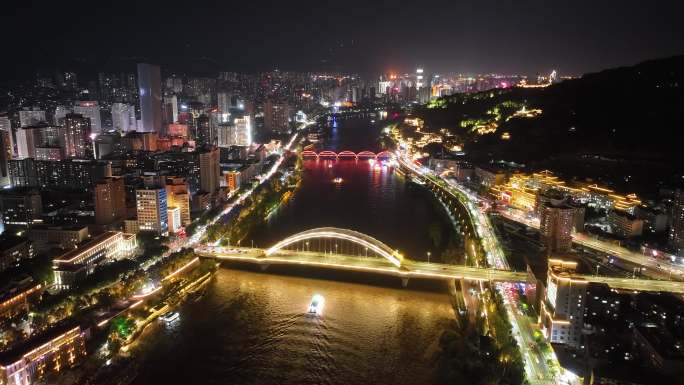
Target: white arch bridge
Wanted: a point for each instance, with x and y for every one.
(343, 249)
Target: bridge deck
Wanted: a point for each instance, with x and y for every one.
(410, 269)
(415, 269)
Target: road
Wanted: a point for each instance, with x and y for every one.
(536, 368)
(658, 269)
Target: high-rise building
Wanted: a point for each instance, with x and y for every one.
(225, 101)
(21, 207)
(152, 210)
(562, 311)
(31, 117)
(123, 117)
(77, 140)
(243, 131)
(110, 201)
(276, 116)
(239, 133)
(23, 172)
(170, 109)
(60, 113)
(174, 219)
(210, 170)
(149, 88)
(556, 225)
(676, 237)
(205, 133)
(5, 155)
(178, 195)
(91, 110)
(28, 138)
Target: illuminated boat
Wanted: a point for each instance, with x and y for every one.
(170, 317)
(337, 180)
(316, 306)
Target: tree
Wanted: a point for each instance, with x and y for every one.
(435, 233)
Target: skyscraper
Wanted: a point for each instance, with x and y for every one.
(5, 155)
(677, 229)
(152, 210)
(170, 109)
(204, 129)
(110, 200)
(178, 196)
(123, 117)
(276, 116)
(556, 225)
(27, 141)
(91, 110)
(237, 134)
(562, 315)
(149, 87)
(210, 172)
(77, 136)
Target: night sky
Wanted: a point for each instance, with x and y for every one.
(366, 37)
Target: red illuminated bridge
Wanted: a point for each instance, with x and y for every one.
(326, 154)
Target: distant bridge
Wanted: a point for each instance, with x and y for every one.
(343, 249)
(346, 154)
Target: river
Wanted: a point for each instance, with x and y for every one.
(251, 327)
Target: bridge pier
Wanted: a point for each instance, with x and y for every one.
(404, 282)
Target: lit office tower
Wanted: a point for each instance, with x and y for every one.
(91, 110)
(149, 88)
(77, 136)
(5, 155)
(276, 116)
(28, 139)
(204, 131)
(123, 117)
(170, 109)
(152, 210)
(225, 103)
(210, 171)
(420, 82)
(562, 315)
(237, 134)
(110, 201)
(677, 229)
(178, 196)
(31, 117)
(556, 225)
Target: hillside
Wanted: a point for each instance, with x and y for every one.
(629, 113)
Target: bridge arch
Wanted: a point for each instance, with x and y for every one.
(327, 154)
(366, 154)
(384, 154)
(336, 233)
(349, 154)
